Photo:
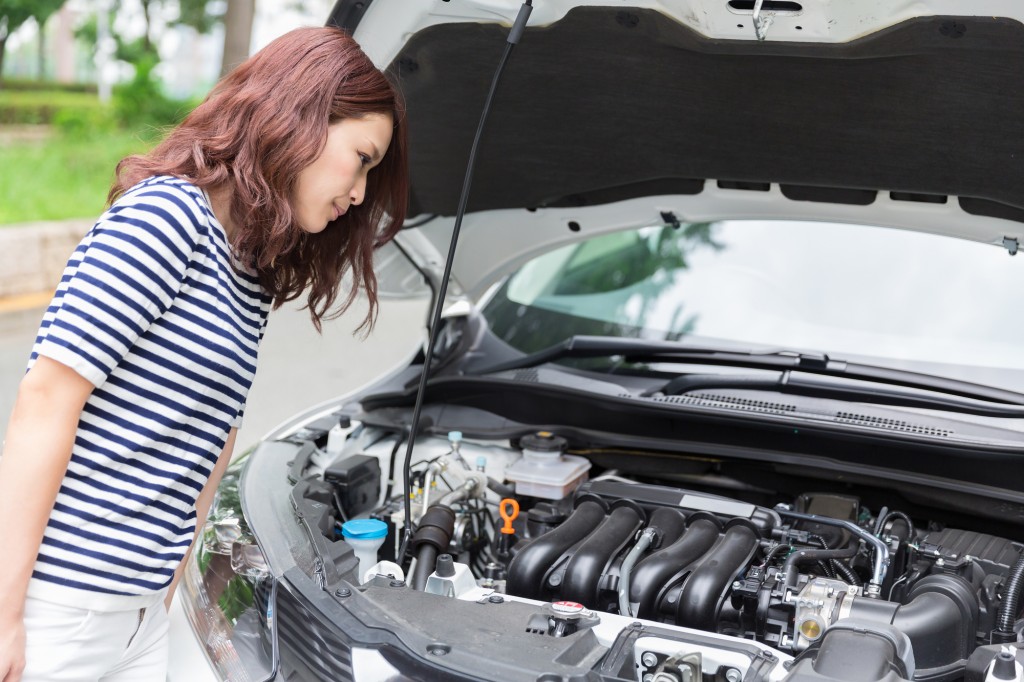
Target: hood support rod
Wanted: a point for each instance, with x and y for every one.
(515, 33)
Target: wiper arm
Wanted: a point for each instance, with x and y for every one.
(641, 350)
(792, 384)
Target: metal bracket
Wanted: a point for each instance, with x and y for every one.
(1011, 244)
(761, 21)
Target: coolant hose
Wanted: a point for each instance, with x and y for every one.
(1010, 604)
(803, 556)
(881, 551)
(646, 538)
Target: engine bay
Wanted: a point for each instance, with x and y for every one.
(827, 583)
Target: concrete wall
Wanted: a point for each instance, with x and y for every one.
(33, 255)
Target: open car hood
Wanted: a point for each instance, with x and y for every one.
(612, 115)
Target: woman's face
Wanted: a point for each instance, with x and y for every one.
(337, 179)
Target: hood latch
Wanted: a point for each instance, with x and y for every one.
(1011, 244)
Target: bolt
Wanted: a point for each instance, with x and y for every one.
(397, 583)
(737, 585)
(496, 599)
(733, 675)
(649, 659)
(343, 592)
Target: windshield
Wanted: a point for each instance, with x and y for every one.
(847, 290)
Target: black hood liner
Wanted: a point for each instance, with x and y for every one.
(609, 104)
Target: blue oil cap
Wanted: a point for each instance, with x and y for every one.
(364, 529)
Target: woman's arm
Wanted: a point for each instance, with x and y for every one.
(203, 508)
(40, 435)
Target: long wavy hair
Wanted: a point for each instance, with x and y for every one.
(259, 127)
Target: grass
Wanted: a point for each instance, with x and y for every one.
(39, 106)
(62, 176)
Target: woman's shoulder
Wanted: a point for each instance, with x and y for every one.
(164, 187)
(160, 208)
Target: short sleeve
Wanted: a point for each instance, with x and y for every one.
(124, 275)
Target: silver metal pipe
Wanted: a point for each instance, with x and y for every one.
(646, 538)
(428, 480)
(881, 562)
(464, 491)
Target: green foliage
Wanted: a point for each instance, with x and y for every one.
(14, 13)
(76, 122)
(40, 106)
(198, 14)
(65, 176)
(22, 84)
(41, 10)
(140, 102)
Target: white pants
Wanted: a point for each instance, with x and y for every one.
(68, 644)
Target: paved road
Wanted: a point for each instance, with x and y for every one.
(297, 368)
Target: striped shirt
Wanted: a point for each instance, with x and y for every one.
(155, 313)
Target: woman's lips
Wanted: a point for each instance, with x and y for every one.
(338, 212)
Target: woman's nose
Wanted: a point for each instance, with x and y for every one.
(359, 191)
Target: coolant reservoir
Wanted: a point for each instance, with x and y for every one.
(544, 470)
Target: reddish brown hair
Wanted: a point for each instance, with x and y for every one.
(260, 126)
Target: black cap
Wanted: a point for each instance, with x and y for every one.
(445, 566)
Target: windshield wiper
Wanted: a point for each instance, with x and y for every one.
(641, 350)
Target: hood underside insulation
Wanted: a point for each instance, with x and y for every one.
(609, 104)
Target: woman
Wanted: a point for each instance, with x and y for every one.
(289, 174)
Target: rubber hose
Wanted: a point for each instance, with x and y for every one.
(802, 556)
(903, 517)
(500, 488)
(1009, 605)
(824, 566)
(773, 551)
(846, 572)
(434, 532)
(426, 561)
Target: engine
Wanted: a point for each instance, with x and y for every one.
(848, 592)
(784, 576)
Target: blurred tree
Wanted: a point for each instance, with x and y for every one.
(41, 11)
(13, 13)
(237, 33)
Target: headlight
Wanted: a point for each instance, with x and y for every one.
(229, 594)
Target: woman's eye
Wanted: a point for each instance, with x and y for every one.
(364, 159)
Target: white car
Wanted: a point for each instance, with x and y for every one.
(729, 384)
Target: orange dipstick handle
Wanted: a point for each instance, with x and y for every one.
(509, 510)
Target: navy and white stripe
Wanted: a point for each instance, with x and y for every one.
(153, 311)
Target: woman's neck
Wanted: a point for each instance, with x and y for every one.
(220, 198)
